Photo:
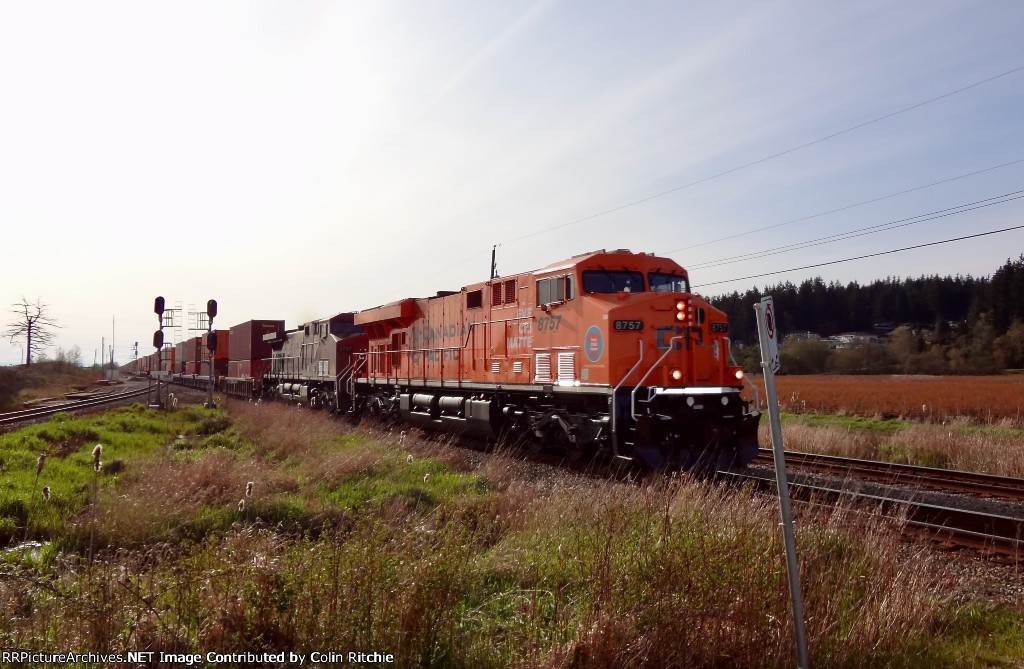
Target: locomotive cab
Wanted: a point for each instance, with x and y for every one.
(663, 353)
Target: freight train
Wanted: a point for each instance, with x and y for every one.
(606, 352)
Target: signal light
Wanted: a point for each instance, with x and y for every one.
(158, 306)
(211, 309)
(211, 341)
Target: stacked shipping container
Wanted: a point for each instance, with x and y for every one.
(250, 345)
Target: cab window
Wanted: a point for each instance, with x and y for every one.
(550, 290)
(667, 283)
(612, 281)
(554, 289)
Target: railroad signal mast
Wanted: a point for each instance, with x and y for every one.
(158, 341)
(211, 346)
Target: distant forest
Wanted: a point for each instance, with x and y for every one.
(934, 324)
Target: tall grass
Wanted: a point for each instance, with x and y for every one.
(959, 445)
(351, 545)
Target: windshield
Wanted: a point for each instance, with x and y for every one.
(612, 281)
(667, 283)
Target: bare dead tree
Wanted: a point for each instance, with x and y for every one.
(33, 324)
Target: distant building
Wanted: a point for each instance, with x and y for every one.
(852, 339)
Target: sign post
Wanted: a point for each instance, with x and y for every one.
(767, 333)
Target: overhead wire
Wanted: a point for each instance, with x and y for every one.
(861, 257)
(766, 158)
(844, 208)
(861, 232)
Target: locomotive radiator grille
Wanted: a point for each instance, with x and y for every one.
(566, 366)
(542, 363)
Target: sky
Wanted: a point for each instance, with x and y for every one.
(296, 159)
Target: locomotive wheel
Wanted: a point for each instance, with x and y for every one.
(560, 440)
(536, 445)
(577, 452)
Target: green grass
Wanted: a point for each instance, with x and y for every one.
(975, 636)
(893, 425)
(886, 426)
(419, 485)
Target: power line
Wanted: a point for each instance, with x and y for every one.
(766, 158)
(861, 232)
(870, 255)
(844, 208)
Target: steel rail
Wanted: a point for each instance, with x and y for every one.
(974, 483)
(14, 417)
(993, 534)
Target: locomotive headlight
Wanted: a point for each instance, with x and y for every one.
(739, 374)
(677, 374)
(681, 310)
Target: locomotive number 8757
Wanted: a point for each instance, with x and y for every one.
(605, 351)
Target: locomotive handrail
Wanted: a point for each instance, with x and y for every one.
(358, 361)
(632, 396)
(370, 355)
(757, 393)
(615, 436)
(342, 373)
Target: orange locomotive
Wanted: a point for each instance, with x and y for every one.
(607, 351)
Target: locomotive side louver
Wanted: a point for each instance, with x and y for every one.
(566, 366)
(543, 366)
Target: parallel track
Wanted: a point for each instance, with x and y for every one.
(992, 534)
(26, 415)
(982, 485)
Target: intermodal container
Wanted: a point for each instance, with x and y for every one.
(248, 339)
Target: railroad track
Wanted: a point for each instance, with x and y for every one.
(26, 415)
(982, 485)
(992, 534)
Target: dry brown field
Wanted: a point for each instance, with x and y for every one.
(990, 400)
